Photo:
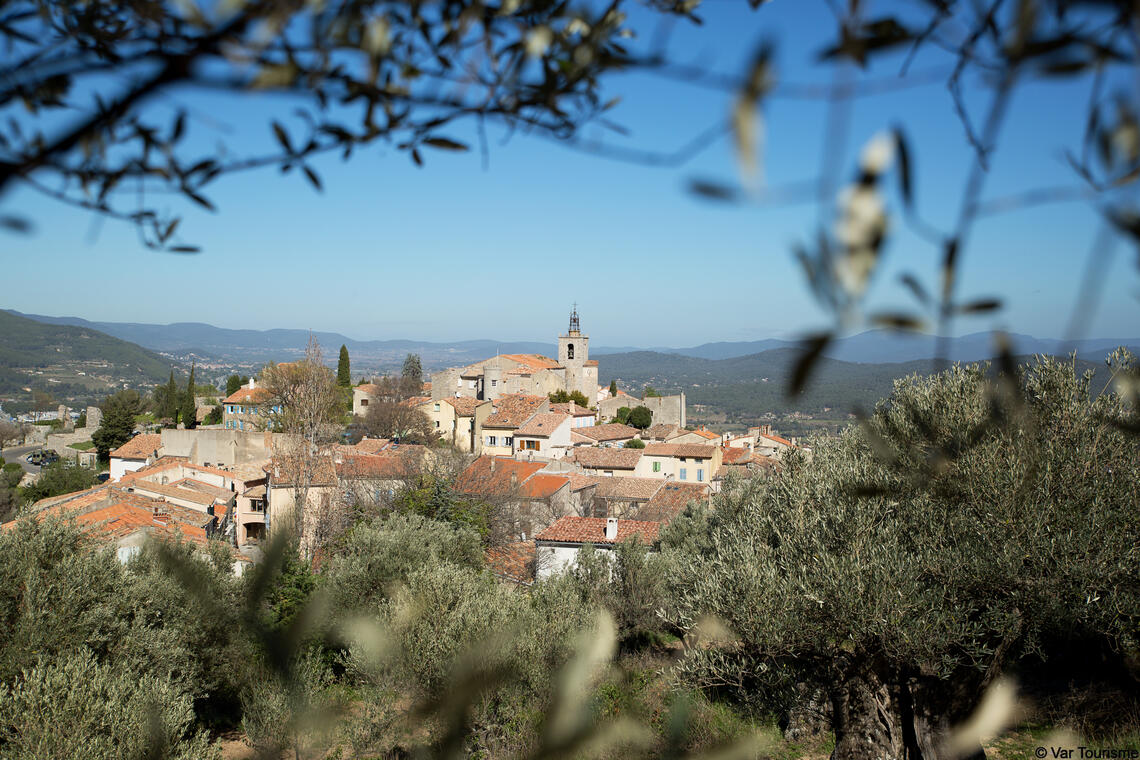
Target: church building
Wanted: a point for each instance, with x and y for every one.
(531, 374)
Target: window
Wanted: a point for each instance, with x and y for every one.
(657, 467)
(531, 445)
(437, 409)
(437, 423)
(364, 402)
(569, 350)
(700, 475)
(684, 474)
(490, 440)
(507, 441)
(494, 383)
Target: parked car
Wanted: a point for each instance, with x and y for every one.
(43, 457)
(102, 477)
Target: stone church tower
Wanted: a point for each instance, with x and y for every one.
(574, 357)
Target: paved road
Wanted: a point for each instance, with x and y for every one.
(18, 454)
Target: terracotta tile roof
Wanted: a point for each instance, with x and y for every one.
(660, 432)
(671, 499)
(533, 361)
(247, 395)
(376, 466)
(542, 424)
(373, 445)
(370, 388)
(108, 513)
(465, 407)
(778, 439)
(578, 481)
(592, 530)
(695, 450)
(513, 410)
(612, 431)
(573, 410)
(543, 485)
(170, 491)
(257, 492)
(735, 455)
(513, 562)
(590, 363)
(196, 485)
(629, 489)
(415, 401)
(706, 434)
(286, 470)
(139, 447)
(599, 458)
(491, 476)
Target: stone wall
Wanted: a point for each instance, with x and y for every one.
(219, 447)
(667, 410)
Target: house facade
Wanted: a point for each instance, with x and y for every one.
(248, 408)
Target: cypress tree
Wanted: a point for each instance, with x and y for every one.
(189, 408)
(343, 374)
(169, 406)
(613, 388)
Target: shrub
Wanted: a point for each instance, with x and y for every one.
(74, 706)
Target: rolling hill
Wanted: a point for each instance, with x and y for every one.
(745, 388)
(70, 361)
(256, 346)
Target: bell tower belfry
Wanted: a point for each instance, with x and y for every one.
(573, 347)
(580, 373)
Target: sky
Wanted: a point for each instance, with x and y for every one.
(456, 250)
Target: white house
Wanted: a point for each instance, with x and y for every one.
(545, 435)
(135, 454)
(557, 547)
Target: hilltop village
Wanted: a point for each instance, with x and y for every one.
(549, 459)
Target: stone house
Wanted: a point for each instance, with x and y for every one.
(610, 434)
(701, 435)
(606, 462)
(666, 410)
(545, 435)
(363, 395)
(525, 498)
(248, 408)
(684, 462)
(510, 412)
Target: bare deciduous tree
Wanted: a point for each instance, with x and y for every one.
(303, 404)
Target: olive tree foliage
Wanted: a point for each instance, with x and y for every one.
(101, 659)
(903, 579)
(351, 75)
(75, 706)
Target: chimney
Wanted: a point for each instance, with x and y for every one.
(514, 479)
(252, 383)
(493, 464)
(611, 529)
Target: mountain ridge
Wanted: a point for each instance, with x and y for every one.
(871, 347)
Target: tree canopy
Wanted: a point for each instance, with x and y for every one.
(118, 421)
(912, 561)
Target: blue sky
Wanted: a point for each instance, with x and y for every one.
(455, 251)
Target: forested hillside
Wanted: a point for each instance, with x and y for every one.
(749, 386)
(70, 360)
